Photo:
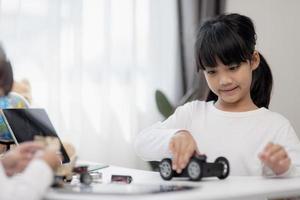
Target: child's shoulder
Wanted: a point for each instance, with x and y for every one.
(277, 118)
(192, 108)
(195, 105)
(198, 103)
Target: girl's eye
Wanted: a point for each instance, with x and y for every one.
(210, 72)
(233, 67)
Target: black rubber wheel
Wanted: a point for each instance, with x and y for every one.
(165, 169)
(226, 167)
(194, 170)
(86, 178)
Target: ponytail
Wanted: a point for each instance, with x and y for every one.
(262, 83)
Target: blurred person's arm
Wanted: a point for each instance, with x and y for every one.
(36, 172)
(29, 185)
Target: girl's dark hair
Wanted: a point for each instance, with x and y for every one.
(6, 73)
(231, 38)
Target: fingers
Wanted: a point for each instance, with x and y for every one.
(285, 163)
(182, 147)
(186, 154)
(17, 166)
(16, 160)
(273, 153)
(278, 155)
(21, 166)
(275, 157)
(21, 155)
(29, 147)
(9, 172)
(52, 159)
(174, 147)
(271, 149)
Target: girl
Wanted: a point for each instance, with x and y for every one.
(234, 121)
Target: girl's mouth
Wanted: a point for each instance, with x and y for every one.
(230, 91)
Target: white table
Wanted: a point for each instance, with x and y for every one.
(209, 188)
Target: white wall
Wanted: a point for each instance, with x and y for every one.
(278, 30)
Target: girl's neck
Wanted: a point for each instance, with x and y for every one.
(240, 106)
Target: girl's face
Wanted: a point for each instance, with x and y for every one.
(232, 83)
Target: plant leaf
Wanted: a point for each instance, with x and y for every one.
(163, 104)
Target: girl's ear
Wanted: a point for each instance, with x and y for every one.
(255, 60)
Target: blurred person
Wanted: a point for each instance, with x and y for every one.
(8, 99)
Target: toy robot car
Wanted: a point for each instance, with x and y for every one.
(196, 169)
(65, 173)
(82, 171)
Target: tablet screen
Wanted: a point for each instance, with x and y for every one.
(27, 123)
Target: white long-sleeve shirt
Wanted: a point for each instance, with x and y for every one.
(238, 136)
(29, 185)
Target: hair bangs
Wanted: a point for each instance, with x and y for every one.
(217, 42)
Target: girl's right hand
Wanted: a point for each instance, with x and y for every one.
(182, 146)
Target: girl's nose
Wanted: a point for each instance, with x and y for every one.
(225, 80)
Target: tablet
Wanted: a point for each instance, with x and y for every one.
(24, 124)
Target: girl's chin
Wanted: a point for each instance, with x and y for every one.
(230, 99)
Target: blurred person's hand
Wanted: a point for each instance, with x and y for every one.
(52, 158)
(17, 159)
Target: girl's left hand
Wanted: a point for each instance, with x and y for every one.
(275, 157)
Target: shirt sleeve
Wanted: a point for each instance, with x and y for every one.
(152, 143)
(287, 137)
(30, 185)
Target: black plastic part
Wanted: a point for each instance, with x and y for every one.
(226, 167)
